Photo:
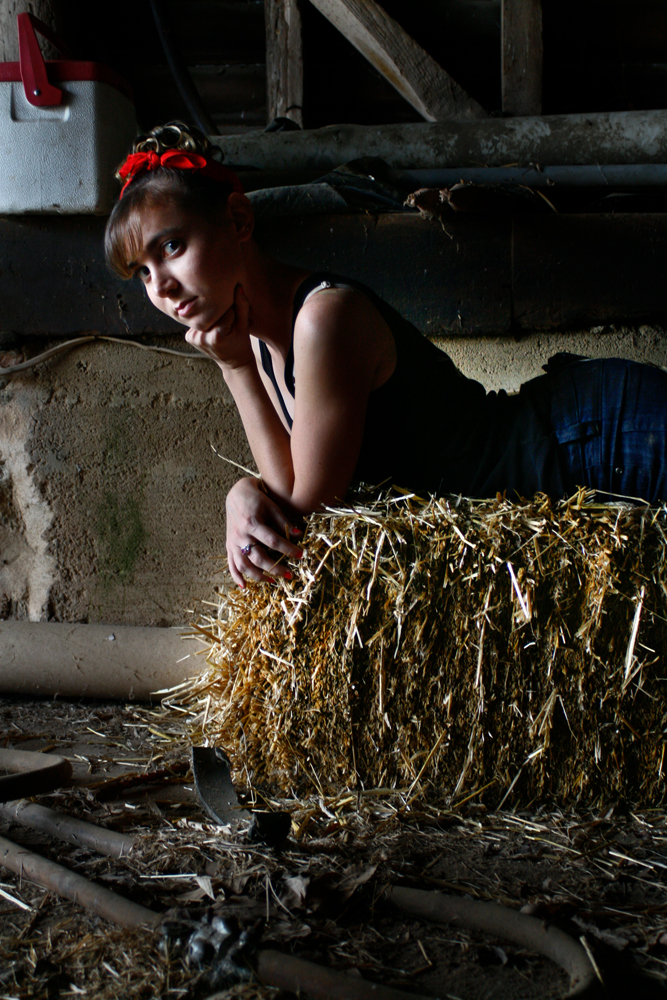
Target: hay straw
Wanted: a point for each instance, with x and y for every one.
(446, 647)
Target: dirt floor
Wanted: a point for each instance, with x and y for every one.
(600, 878)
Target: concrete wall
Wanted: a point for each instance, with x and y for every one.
(111, 498)
(505, 363)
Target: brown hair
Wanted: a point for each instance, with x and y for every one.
(189, 188)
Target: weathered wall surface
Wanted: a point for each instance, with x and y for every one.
(27, 567)
(504, 363)
(111, 498)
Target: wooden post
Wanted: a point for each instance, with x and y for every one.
(407, 67)
(521, 41)
(45, 10)
(284, 60)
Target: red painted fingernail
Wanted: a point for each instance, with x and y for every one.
(288, 576)
(299, 554)
(271, 579)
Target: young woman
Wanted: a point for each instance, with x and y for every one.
(334, 386)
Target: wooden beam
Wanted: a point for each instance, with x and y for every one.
(284, 60)
(521, 40)
(411, 70)
(632, 137)
(54, 252)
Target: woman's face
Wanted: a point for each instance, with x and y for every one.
(190, 265)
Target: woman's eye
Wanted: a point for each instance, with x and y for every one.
(171, 247)
(143, 273)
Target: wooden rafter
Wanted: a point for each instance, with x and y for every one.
(521, 31)
(284, 60)
(411, 70)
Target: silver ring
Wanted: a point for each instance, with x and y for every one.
(246, 549)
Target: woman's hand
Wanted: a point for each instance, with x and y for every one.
(227, 342)
(255, 525)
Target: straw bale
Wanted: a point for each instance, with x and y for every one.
(450, 648)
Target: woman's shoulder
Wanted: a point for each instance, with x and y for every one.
(331, 305)
(338, 324)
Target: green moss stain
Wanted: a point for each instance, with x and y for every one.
(121, 537)
(120, 530)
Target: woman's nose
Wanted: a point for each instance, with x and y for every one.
(164, 283)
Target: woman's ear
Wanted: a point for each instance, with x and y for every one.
(239, 211)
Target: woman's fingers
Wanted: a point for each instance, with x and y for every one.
(265, 564)
(256, 564)
(270, 539)
(269, 552)
(236, 574)
(259, 536)
(262, 559)
(285, 533)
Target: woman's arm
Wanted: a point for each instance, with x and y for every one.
(342, 350)
(228, 344)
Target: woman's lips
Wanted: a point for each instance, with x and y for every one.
(185, 308)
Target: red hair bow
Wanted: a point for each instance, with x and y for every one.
(177, 159)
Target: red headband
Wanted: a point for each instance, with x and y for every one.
(179, 159)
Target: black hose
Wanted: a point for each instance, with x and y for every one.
(181, 73)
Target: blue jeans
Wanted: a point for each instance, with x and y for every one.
(609, 418)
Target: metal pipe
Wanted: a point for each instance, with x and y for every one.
(617, 137)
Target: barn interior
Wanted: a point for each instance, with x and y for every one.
(497, 171)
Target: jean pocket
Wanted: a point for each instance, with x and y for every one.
(580, 446)
(579, 431)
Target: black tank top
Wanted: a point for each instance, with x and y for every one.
(428, 428)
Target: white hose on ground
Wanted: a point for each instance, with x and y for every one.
(68, 828)
(500, 921)
(80, 890)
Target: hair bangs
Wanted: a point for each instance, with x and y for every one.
(123, 241)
